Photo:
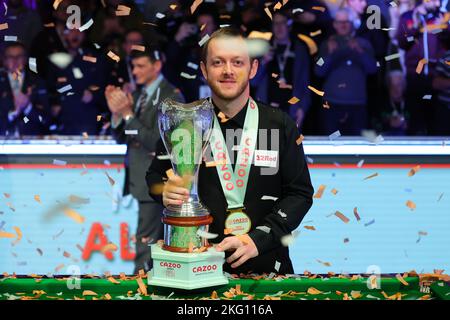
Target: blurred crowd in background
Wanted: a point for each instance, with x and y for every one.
(331, 64)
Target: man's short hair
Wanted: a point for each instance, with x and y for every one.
(152, 52)
(14, 44)
(221, 33)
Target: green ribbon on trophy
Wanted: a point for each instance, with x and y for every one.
(234, 182)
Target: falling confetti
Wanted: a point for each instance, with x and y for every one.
(334, 191)
(123, 10)
(371, 176)
(40, 252)
(87, 25)
(109, 247)
(57, 162)
(65, 88)
(312, 46)
(369, 223)
(138, 47)
(269, 198)
(37, 198)
(320, 62)
(318, 92)
(334, 135)
(420, 65)
(413, 171)
(355, 212)
(411, 205)
(203, 40)
(315, 33)
(267, 11)
(326, 264)
(299, 140)
(195, 5)
(310, 228)
(113, 56)
(427, 97)
(360, 163)
(90, 59)
(319, 192)
(74, 215)
(206, 235)
(293, 100)
(392, 57)
(188, 76)
(341, 216)
(111, 180)
(440, 197)
(3, 26)
(319, 8)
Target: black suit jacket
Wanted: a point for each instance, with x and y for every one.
(37, 123)
(290, 184)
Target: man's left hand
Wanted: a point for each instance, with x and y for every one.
(244, 247)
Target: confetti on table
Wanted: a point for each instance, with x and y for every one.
(318, 92)
(203, 40)
(420, 65)
(57, 162)
(313, 291)
(87, 25)
(89, 293)
(299, 140)
(113, 56)
(392, 57)
(123, 10)
(74, 215)
(206, 235)
(111, 180)
(369, 223)
(334, 135)
(319, 192)
(411, 205)
(355, 212)
(65, 88)
(320, 62)
(293, 100)
(341, 216)
(413, 171)
(90, 59)
(427, 97)
(371, 176)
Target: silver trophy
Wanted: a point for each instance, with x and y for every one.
(185, 130)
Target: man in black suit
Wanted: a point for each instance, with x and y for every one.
(134, 122)
(249, 227)
(23, 95)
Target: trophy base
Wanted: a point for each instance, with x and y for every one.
(187, 271)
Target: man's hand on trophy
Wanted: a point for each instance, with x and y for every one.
(244, 247)
(174, 191)
(118, 101)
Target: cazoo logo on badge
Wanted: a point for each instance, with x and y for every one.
(170, 265)
(206, 268)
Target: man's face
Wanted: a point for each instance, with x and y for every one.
(144, 70)
(358, 5)
(132, 38)
(342, 24)
(280, 27)
(228, 67)
(74, 38)
(432, 5)
(15, 59)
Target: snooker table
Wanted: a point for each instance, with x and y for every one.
(243, 287)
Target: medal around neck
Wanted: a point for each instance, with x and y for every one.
(185, 260)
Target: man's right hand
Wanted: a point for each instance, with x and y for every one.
(174, 191)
